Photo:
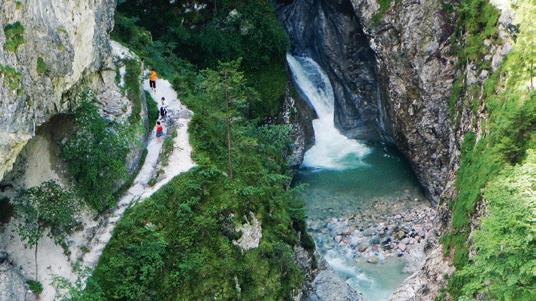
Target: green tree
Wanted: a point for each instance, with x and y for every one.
(46, 207)
(226, 89)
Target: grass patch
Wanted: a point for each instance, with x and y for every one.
(12, 78)
(14, 36)
(477, 22)
(384, 7)
(167, 148)
(35, 286)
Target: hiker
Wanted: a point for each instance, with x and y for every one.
(163, 112)
(153, 76)
(163, 108)
(159, 131)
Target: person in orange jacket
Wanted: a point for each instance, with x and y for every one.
(153, 76)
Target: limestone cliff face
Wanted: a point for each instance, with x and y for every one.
(417, 69)
(64, 43)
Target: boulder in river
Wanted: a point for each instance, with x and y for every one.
(328, 286)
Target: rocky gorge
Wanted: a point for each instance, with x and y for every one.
(397, 79)
(393, 67)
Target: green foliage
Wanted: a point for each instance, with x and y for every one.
(244, 29)
(270, 81)
(132, 276)
(226, 30)
(133, 89)
(35, 286)
(477, 22)
(507, 136)
(95, 155)
(12, 78)
(152, 109)
(47, 206)
(167, 148)
(506, 260)
(14, 36)
(384, 6)
(42, 67)
(80, 289)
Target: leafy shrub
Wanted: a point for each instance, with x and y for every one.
(42, 67)
(14, 36)
(505, 261)
(133, 275)
(47, 206)
(95, 155)
(35, 286)
(82, 289)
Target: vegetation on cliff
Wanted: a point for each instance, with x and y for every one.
(95, 155)
(495, 171)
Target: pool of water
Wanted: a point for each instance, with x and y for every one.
(331, 193)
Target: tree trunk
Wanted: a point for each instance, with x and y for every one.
(229, 146)
(35, 258)
(228, 126)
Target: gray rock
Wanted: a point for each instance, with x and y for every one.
(73, 41)
(362, 247)
(328, 286)
(374, 240)
(12, 284)
(373, 259)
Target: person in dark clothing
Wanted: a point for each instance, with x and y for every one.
(163, 109)
(163, 112)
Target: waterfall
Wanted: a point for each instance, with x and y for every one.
(332, 150)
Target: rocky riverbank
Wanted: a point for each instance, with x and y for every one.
(388, 228)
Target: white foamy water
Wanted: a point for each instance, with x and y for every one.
(332, 150)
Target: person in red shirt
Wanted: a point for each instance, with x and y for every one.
(159, 131)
